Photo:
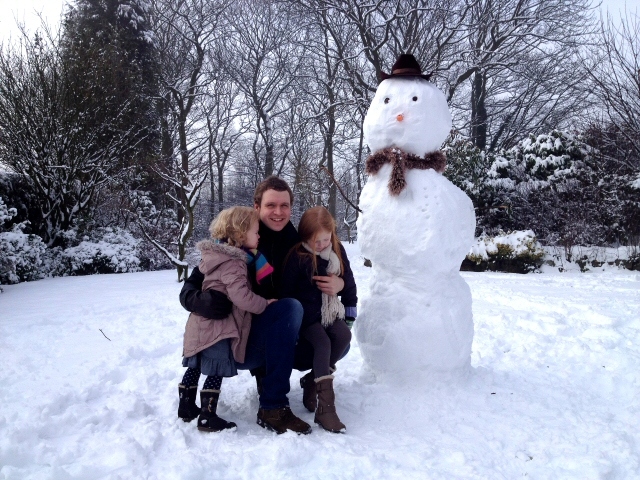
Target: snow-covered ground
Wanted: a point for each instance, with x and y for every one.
(553, 393)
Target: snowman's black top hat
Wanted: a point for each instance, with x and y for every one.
(406, 66)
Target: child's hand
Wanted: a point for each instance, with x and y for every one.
(349, 321)
(331, 284)
(271, 300)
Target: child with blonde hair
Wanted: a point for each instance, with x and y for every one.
(324, 322)
(212, 347)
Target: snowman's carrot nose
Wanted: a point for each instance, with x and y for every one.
(400, 117)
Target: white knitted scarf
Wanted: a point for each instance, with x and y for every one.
(332, 307)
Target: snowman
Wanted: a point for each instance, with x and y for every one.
(416, 228)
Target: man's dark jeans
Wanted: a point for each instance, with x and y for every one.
(271, 346)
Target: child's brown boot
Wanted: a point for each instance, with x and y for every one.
(326, 415)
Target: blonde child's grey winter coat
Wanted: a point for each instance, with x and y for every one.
(225, 270)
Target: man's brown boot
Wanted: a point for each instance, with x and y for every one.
(309, 398)
(280, 420)
(326, 415)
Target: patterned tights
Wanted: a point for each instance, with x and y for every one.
(192, 375)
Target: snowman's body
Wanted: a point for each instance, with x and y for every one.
(417, 316)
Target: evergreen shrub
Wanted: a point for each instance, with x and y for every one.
(513, 252)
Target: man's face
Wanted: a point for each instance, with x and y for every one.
(275, 209)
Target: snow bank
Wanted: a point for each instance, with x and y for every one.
(553, 392)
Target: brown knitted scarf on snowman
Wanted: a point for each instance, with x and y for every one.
(400, 162)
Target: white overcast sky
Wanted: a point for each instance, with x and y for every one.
(24, 11)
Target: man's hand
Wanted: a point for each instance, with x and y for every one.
(209, 304)
(330, 284)
(271, 300)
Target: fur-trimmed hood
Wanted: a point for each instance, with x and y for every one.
(214, 254)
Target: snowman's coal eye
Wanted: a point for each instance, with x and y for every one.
(386, 100)
(415, 99)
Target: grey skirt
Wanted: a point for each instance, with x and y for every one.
(214, 360)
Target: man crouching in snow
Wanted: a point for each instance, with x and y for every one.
(273, 349)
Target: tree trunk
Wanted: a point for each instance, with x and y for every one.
(268, 157)
(479, 117)
(212, 202)
(184, 164)
(166, 147)
(220, 189)
(329, 147)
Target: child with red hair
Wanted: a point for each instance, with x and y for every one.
(327, 320)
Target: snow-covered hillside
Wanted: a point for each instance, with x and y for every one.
(554, 390)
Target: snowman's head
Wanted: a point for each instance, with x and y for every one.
(409, 113)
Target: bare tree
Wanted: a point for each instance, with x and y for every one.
(322, 81)
(49, 137)
(184, 30)
(261, 58)
(519, 64)
(509, 64)
(614, 72)
(429, 29)
(350, 45)
(305, 148)
(226, 122)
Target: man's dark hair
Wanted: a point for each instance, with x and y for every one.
(271, 183)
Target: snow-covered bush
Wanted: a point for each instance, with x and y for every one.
(466, 165)
(540, 161)
(6, 213)
(20, 253)
(467, 168)
(633, 262)
(108, 250)
(567, 187)
(20, 256)
(553, 184)
(514, 252)
(592, 259)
